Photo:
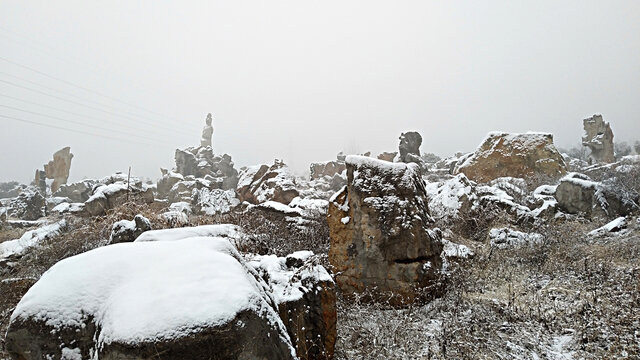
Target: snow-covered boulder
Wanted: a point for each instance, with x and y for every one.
(306, 297)
(212, 202)
(262, 183)
(615, 226)
(113, 194)
(232, 233)
(578, 194)
(167, 181)
(29, 205)
(190, 299)
(513, 155)
(450, 198)
(129, 230)
(16, 248)
(327, 168)
(77, 192)
(508, 238)
(380, 230)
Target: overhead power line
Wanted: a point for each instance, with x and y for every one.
(176, 129)
(83, 124)
(80, 87)
(84, 116)
(73, 130)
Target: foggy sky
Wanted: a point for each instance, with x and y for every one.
(302, 80)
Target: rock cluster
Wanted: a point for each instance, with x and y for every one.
(513, 155)
(211, 303)
(379, 223)
(201, 162)
(599, 138)
(328, 168)
(262, 183)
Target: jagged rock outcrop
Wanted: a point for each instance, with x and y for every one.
(578, 194)
(262, 183)
(201, 162)
(212, 202)
(58, 168)
(107, 303)
(109, 195)
(29, 205)
(77, 192)
(306, 298)
(387, 156)
(167, 181)
(599, 138)
(129, 230)
(381, 239)
(207, 132)
(10, 189)
(513, 155)
(328, 168)
(410, 147)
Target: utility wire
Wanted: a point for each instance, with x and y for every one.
(84, 105)
(76, 114)
(83, 124)
(127, 114)
(78, 86)
(74, 130)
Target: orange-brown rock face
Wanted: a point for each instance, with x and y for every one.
(380, 236)
(58, 168)
(328, 168)
(513, 155)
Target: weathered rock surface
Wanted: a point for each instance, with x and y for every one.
(129, 230)
(262, 183)
(58, 168)
(10, 189)
(513, 155)
(578, 194)
(380, 235)
(111, 195)
(387, 156)
(212, 202)
(410, 147)
(77, 192)
(108, 304)
(207, 132)
(167, 181)
(327, 168)
(29, 205)
(201, 162)
(306, 297)
(599, 138)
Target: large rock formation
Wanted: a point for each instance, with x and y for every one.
(262, 183)
(201, 162)
(578, 194)
(410, 147)
(327, 168)
(380, 236)
(28, 205)
(112, 194)
(108, 303)
(207, 132)
(58, 168)
(513, 155)
(599, 138)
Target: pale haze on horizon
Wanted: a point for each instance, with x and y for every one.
(303, 80)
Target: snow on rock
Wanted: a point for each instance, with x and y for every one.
(505, 238)
(448, 198)
(614, 226)
(194, 298)
(212, 202)
(128, 231)
(31, 238)
(513, 155)
(228, 231)
(306, 298)
(262, 183)
(451, 249)
(65, 207)
(318, 206)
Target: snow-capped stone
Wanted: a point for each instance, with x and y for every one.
(128, 231)
(513, 155)
(195, 298)
(614, 226)
(17, 247)
(262, 183)
(387, 242)
(212, 202)
(505, 238)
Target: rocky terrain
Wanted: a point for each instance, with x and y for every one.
(514, 251)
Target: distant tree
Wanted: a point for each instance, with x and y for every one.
(636, 146)
(621, 149)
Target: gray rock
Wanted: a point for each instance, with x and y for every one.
(128, 231)
(599, 138)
